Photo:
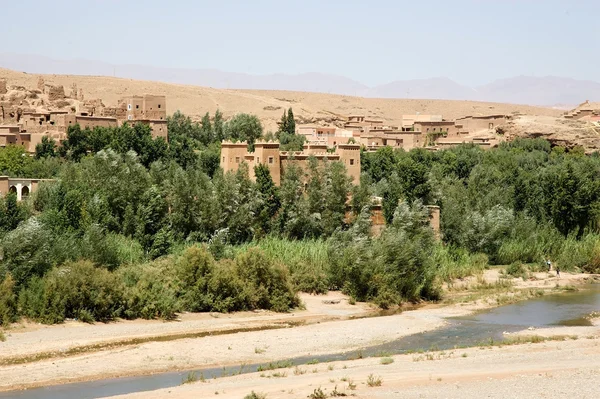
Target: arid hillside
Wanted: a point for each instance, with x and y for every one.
(269, 105)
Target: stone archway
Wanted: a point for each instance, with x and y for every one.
(24, 191)
(12, 189)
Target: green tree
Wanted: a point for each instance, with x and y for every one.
(270, 196)
(291, 123)
(207, 135)
(180, 125)
(283, 124)
(209, 159)
(139, 139)
(291, 142)
(14, 160)
(11, 212)
(151, 219)
(218, 126)
(244, 127)
(336, 190)
(46, 148)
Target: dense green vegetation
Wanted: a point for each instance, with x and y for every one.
(135, 227)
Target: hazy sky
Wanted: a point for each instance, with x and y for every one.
(372, 41)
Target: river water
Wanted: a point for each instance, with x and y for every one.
(568, 309)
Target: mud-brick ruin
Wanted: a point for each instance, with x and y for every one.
(27, 115)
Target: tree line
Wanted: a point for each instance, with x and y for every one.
(135, 227)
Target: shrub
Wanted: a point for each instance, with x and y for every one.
(317, 394)
(267, 285)
(517, 269)
(208, 285)
(373, 381)
(8, 303)
(150, 290)
(308, 278)
(76, 290)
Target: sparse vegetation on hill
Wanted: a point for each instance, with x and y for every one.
(267, 105)
(133, 227)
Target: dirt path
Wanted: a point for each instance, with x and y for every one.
(566, 369)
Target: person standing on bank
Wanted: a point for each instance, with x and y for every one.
(549, 264)
(557, 271)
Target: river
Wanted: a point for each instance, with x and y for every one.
(567, 309)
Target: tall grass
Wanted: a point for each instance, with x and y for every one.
(307, 260)
(452, 263)
(569, 253)
(580, 254)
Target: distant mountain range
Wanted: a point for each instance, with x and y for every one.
(545, 91)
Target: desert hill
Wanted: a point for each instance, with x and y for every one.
(268, 105)
(533, 90)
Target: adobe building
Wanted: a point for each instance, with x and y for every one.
(408, 121)
(330, 136)
(8, 135)
(30, 115)
(268, 153)
(22, 187)
(148, 109)
(426, 131)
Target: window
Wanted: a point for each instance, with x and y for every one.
(257, 159)
(158, 105)
(427, 130)
(129, 107)
(137, 106)
(223, 159)
(270, 160)
(128, 117)
(351, 161)
(237, 159)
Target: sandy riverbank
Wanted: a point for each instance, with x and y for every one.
(323, 328)
(553, 369)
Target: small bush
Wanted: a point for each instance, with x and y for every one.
(373, 381)
(517, 269)
(387, 360)
(318, 394)
(255, 395)
(191, 377)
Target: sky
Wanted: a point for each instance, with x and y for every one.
(372, 41)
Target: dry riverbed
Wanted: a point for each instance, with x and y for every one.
(35, 355)
(552, 369)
